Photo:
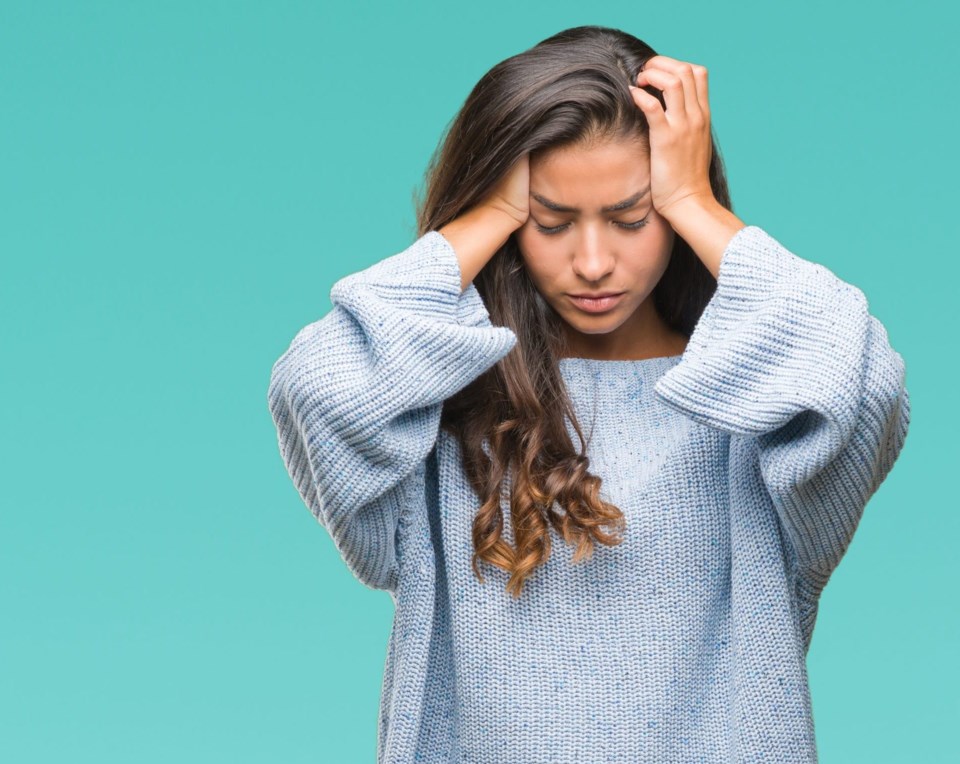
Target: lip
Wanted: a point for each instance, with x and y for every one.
(597, 304)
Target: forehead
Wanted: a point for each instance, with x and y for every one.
(591, 176)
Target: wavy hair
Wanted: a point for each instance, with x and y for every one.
(510, 423)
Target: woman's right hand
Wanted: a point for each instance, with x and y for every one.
(512, 194)
(477, 234)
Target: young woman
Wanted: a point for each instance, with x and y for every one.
(603, 442)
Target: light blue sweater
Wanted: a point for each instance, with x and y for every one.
(743, 467)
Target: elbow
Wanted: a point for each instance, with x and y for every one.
(888, 400)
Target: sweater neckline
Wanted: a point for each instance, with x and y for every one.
(580, 371)
(627, 362)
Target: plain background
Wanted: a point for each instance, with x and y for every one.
(182, 182)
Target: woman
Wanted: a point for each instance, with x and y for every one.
(644, 589)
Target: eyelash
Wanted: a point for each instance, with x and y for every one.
(560, 228)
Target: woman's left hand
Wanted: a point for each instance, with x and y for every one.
(680, 143)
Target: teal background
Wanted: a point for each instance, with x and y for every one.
(181, 183)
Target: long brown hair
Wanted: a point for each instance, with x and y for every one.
(510, 422)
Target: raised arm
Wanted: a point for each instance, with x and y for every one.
(788, 353)
(356, 397)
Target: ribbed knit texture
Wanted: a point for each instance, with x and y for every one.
(743, 467)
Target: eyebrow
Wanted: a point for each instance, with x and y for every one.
(624, 205)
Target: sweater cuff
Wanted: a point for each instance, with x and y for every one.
(426, 275)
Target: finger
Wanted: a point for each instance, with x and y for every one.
(686, 72)
(703, 94)
(690, 101)
(650, 106)
(661, 60)
(665, 63)
(671, 86)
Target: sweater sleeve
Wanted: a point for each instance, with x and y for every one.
(787, 353)
(357, 396)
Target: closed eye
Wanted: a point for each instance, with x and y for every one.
(636, 225)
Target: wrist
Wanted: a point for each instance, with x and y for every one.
(476, 235)
(690, 206)
(706, 225)
(502, 220)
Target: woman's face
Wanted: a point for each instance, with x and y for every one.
(587, 249)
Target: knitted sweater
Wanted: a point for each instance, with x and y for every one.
(742, 466)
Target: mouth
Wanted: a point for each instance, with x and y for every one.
(596, 303)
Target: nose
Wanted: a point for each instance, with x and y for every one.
(593, 258)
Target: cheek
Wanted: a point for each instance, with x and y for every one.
(656, 250)
(665, 234)
(526, 243)
(536, 256)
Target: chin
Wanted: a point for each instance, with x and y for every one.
(600, 324)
